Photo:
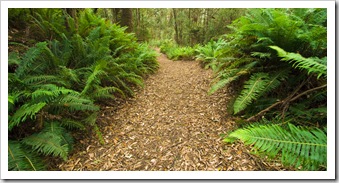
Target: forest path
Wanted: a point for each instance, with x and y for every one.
(171, 124)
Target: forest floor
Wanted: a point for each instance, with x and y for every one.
(170, 124)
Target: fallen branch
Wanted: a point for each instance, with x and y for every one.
(287, 99)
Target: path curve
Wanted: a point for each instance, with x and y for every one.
(171, 124)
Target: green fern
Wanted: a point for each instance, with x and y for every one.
(301, 148)
(30, 57)
(72, 124)
(95, 77)
(21, 158)
(252, 90)
(231, 74)
(311, 65)
(257, 86)
(106, 92)
(74, 102)
(26, 110)
(52, 140)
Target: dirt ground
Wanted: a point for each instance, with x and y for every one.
(171, 124)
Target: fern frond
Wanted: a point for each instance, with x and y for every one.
(275, 79)
(72, 124)
(252, 90)
(261, 54)
(297, 146)
(133, 78)
(69, 74)
(99, 134)
(95, 77)
(75, 102)
(26, 110)
(229, 75)
(221, 83)
(51, 141)
(106, 92)
(311, 65)
(20, 158)
(42, 79)
(91, 119)
(13, 58)
(30, 57)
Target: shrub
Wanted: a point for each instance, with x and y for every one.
(58, 83)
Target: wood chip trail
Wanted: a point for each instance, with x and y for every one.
(170, 124)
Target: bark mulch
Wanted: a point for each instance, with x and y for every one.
(171, 124)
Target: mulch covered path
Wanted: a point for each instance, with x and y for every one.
(170, 124)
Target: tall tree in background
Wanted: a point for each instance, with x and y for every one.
(186, 26)
(176, 26)
(126, 19)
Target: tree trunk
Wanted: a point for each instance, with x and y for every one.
(126, 19)
(115, 13)
(73, 13)
(175, 26)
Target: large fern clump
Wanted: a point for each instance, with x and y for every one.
(248, 58)
(276, 61)
(59, 82)
(176, 52)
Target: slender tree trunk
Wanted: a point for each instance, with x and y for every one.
(126, 19)
(175, 26)
(115, 14)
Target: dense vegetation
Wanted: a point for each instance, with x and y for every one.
(277, 60)
(59, 82)
(274, 59)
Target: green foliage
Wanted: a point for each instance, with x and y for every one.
(247, 53)
(273, 85)
(58, 82)
(302, 148)
(252, 90)
(175, 52)
(25, 110)
(210, 53)
(311, 65)
(52, 140)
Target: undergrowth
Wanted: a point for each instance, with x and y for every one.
(58, 84)
(277, 57)
(176, 52)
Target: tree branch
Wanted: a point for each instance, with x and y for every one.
(261, 113)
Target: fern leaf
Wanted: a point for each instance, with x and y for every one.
(261, 54)
(48, 143)
(275, 79)
(26, 110)
(311, 65)
(297, 146)
(56, 128)
(48, 92)
(95, 77)
(230, 75)
(106, 92)
(42, 79)
(30, 56)
(72, 124)
(75, 102)
(221, 83)
(252, 90)
(91, 119)
(20, 158)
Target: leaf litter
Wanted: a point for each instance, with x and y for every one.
(170, 124)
